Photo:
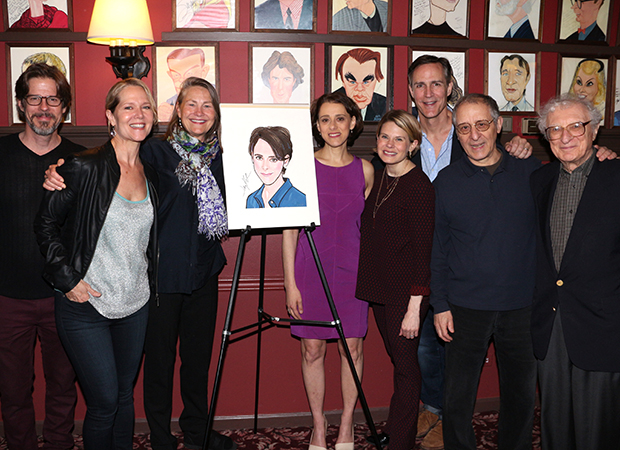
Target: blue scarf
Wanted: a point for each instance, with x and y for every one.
(194, 168)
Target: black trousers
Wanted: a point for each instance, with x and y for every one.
(465, 355)
(580, 409)
(188, 319)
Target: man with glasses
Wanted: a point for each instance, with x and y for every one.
(576, 309)
(483, 276)
(586, 13)
(26, 301)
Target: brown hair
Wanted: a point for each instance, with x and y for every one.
(349, 105)
(361, 55)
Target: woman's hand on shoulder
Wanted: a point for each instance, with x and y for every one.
(53, 181)
(294, 305)
(80, 293)
(369, 176)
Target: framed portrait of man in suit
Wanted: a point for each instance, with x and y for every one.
(282, 74)
(512, 81)
(361, 16)
(584, 21)
(284, 15)
(445, 18)
(586, 78)
(173, 64)
(514, 19)
(31, 15)
(364, 75)
(205, 14)
(21, 56)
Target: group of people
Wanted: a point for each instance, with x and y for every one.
(130, 237)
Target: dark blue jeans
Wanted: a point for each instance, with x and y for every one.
(465, 355)
(432, 360)
(106, 355)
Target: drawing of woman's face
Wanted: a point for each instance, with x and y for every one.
(266, 165)
(586, 86)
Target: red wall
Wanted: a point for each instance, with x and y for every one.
(281, 388)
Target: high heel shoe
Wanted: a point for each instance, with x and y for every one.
(348, 445)
(318, 447)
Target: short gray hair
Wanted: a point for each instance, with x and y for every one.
(564, 101)
(479, 99)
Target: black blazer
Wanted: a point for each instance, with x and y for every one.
(587, 286)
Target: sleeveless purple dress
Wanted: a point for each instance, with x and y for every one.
(341, 202)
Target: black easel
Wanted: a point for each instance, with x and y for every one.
(266, 318)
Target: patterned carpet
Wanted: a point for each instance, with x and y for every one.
(485, 425)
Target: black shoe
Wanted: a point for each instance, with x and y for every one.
(218, 441)
(384, 439)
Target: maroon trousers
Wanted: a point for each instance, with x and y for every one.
(402, 423)
(21, 322)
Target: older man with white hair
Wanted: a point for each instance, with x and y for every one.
(517, 11)
(576, 310)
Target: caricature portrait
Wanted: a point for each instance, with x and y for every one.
(360, 72)
(37, 14)
(360, 15)
(22, 57)
(281, 75)
(514, 19)
(267, 184)
(205, 13)
(439, 17)
(512, 81)
(584, 20)
(283, 14)
(271, 150)
(586, 79)
(175, 65)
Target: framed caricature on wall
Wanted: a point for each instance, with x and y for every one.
(33, 15)
(22, 56)
(586, 78)
(362, 74)
(205, 14)
(173, 64)
(514, 19)
(446, 18)
(512, 80)
(584, 21)
(284, 15)
(361, 16)
(281, 74)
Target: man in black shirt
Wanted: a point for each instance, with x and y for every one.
(26, 301)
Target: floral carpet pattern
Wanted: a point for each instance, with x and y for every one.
(485, 426)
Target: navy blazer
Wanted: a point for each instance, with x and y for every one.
(587, 286)
(269, 15)
(595, 35)
(523, 32)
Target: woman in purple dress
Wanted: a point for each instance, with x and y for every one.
(343, 181)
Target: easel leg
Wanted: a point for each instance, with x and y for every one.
(261, 297)
(225, 335)
(332, 306)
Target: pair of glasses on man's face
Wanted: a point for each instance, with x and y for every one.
(480, 125)
(35, 100)
(579, 2)
(575, 129)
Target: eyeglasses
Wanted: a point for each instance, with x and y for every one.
(481, 125)
(574, 129)
(35, 100)
(579, 2)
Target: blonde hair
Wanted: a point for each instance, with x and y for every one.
(404, 121)
(592, 67)
(114, 97)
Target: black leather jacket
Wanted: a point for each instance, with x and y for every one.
(69, 221)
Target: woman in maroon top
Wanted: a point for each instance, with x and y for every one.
(394, 268)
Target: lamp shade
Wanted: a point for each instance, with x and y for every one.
(124, 20)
